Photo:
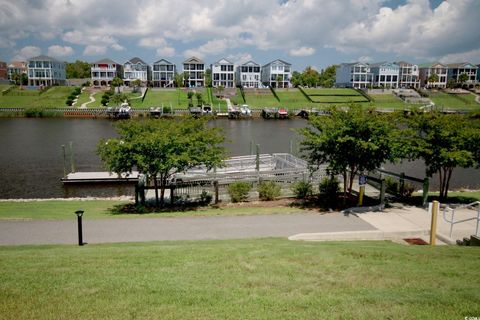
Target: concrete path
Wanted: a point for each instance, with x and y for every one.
(92, 99)
(197, 228)
(401, 222)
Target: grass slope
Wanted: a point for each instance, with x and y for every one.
(455, 101)
(103, 209)
(242, 279)
(260, 98)
(293, 98)
(52, 98)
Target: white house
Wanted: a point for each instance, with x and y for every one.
(136, 69)
(277, 74)
(46, 71)
(409, 75)
(103, 72)
(456, 69)
(385, 74)
(428, 69)
(249, 75)
(353, 75)
(223, 74)
(164, 73)
(194, 70)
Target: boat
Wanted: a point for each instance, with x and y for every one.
(121, 112)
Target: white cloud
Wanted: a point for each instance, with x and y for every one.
(302, 52)
(151, 42)
(59, 51)
(364, 59)
(27, 52)
(240, 58)
(94, 50)
(166, 52)
(472, 56)
(117, 47)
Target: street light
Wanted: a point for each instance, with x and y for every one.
(79, 214)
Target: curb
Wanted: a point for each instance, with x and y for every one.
(359, 235)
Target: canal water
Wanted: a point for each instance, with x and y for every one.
(31, 157)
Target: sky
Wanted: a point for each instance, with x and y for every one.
(315, 33)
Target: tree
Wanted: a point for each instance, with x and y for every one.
(462, 78)
(220, 90)
(310, 77)
(349, 142)
(136, 84)
(119, 98)
(198, 95)
(162, 148)
(296, 79)
(327, 76)
(117, 82)
(278, 79)
(77, 70)
(443, 142)
(186, 77)
(178, 80)
(433, 78)
(208, 78)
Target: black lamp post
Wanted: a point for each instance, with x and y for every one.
(79, 214)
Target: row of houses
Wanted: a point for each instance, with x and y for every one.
(403, 74)
(224, 73)
(47, 71)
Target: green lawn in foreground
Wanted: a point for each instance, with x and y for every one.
(330, 91)
(103, 209)
(52, 98)
(454, 101)
(83, 98)
(239, 279)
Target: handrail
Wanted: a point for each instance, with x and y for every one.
(452, 220)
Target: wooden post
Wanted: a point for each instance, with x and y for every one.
(433, 226)
(72, 162)
(425, 191)
(360, 196)
(136, 193)
(257, 158)
(215, 185)
(172, 195)
(64, 161)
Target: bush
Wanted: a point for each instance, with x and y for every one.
(329, 189)
(167, 110)
(104, 101)
(33, 113)
(205, 197)
(302, 189)
(268, 190)
(238, 191)
(392, 186)
(69, 101)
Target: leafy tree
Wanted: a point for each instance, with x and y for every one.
(117, 82)
(162, 148)
(77, 70)
(136, 84)
(433, 78)
(208, 78)
(310, 77)
(451, 83)
(463, 78)
(443, 142)
(178, 80)
(327, 76)
(198, 95)
(296, 79)
(118, 98)
(349, 142)
(186, 78)
(220, 90)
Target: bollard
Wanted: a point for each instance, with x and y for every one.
(433, 226)
(79, 214)
(360, 195)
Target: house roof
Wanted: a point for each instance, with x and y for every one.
(43, 58)
(250, 63)
(162, 61)
(383, 63)
(462, 65)
(223, 61)
(354, 64)
(432, 65)
(193, 60)
(17, 64)
(404, 63)
(105, 61)
(278, 60)
(136, 60)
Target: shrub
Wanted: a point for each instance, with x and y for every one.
(238, 191)
(205, 197)
(167, 110)
(392, 186)
(33, 113)
(329, 188)
(302, 189)
(104, 101)
(268, 190)
(69, 101)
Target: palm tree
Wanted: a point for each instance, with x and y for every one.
(433, 78)
(117, 82)
(278, 80)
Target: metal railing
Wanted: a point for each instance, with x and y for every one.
(474, 205)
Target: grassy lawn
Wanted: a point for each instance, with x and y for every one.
(240, 279)
(454, 101)
(388, 101)
(53, 97)
(83, 98)
(104, 209)
(330, 91)
(293, 98)
(260, 100)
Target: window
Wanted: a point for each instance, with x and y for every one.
(223, 68)
(389, 78)
(230, 68)
(256, 69)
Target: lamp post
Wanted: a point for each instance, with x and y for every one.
(79, 214)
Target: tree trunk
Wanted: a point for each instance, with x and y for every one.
(440, 182)
(155, 183)
(344, 186)
(352, 177)
(450, 170)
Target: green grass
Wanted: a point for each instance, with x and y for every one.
(455, 101)
(261, 99)
(53, 97)
(83, 98)
(293, 98)
(330, 91)
(103, 209)
(240, 279)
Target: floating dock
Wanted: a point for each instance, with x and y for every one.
(96, 177)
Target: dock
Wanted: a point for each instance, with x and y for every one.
(99, 177)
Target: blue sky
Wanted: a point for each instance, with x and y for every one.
(314, 33)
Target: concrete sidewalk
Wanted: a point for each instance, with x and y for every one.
(401, 222)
